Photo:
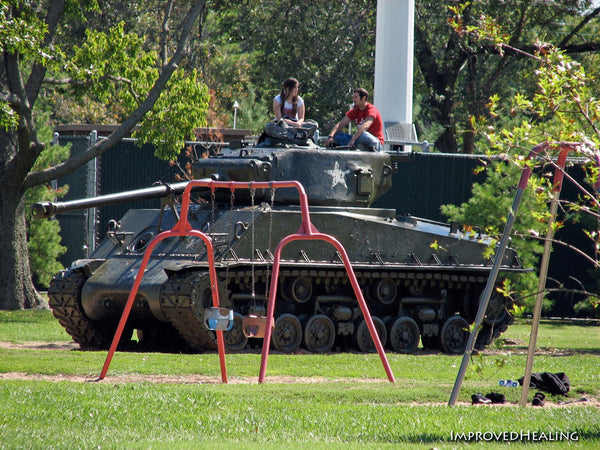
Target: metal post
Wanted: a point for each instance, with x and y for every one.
(91, 191)
(564, 147)
(55, 141)
(537, 310)
(487, 292)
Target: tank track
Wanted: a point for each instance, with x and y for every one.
(186, 293)
(178, 297)
(183, 293)
(64, 298)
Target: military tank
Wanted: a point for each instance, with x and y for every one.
(421, 279)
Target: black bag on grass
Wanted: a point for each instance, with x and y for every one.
(554, 383)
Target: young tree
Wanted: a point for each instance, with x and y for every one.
(565, 107)
(113, 69)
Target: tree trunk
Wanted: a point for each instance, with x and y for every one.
(446, 142)
(17, 290)
(469, 138)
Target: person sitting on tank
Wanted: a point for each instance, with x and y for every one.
(369, 133)
(289, 109)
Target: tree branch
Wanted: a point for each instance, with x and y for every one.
(593, 261)
(29, 148)
(74, 82)
(76, 161)
(38, 71)
(581, 24)
(165, 34)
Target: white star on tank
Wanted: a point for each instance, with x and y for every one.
(338, 176)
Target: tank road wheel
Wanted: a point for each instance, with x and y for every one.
(470, 305)
(454, 335)
(384, 291)
(287, 335)
(235, 340)
(319, 334)
(404, 335)
(299, 289)
(362, 337)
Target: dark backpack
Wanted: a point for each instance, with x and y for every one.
(554, 383)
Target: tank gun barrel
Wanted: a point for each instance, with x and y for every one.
(43, 210)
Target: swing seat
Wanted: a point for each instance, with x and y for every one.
(218, 319)
(254, 326)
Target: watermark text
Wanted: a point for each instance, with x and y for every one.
(512, 436)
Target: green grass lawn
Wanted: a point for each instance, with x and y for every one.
(314, 401)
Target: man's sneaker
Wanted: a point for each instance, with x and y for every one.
(479, 399)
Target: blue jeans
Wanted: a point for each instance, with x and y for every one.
(366, 139)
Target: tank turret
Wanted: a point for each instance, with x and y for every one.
(329, 177)
(421, 279)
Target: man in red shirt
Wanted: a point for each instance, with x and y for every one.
(369, 131)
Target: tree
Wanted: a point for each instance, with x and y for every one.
(253, 45)
(459, 72)
(31, 57)
(563, 108)
(44, 235)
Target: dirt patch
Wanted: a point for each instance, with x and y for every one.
(177, 379)
(58, 345)
(204, 379)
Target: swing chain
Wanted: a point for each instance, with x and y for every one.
(268, 271)
(253, 293)
(228, 253)
(212, 215)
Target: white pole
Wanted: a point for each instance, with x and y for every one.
(236, 105)
(394, 60)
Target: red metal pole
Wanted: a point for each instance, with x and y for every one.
(181, 228)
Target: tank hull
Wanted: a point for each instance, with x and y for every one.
(421, 280)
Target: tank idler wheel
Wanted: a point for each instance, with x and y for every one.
(454, 335)
(287, 335)
(235, 340)
(496, 312)
(404, 335)
(319, 334)
(299, 289)
(384, 291)
(362, 337)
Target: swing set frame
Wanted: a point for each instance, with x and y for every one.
(307, 231)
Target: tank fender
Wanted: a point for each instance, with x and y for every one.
(178, 267)
(88, 266)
